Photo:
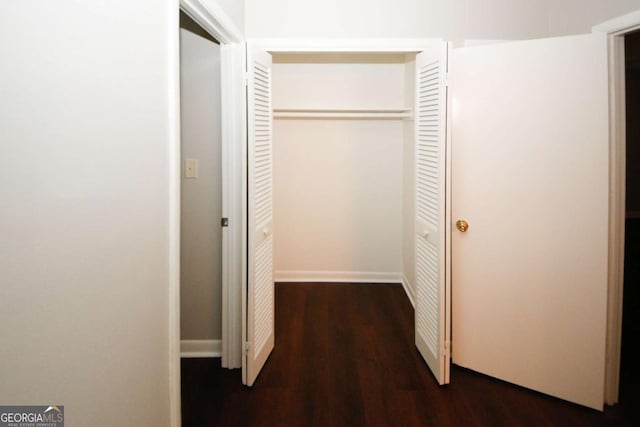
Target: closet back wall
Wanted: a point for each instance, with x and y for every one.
(338, 183)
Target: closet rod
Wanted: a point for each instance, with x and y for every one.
(389, 114)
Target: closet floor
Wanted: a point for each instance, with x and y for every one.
(344, 356)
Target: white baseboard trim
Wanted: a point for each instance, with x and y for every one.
(200, 348)
(336, 276)
(409, 290)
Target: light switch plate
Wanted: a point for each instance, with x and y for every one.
(190, 168)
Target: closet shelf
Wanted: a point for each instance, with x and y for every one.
(346, 113)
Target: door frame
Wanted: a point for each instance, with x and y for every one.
(381, 46)
(328, 45)
(213, 20)
(615, 30)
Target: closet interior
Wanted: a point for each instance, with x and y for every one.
(343, 146)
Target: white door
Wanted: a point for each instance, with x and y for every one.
(530, 174)
(432, 313)
(259, 318)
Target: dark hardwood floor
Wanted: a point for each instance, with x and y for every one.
(344, 356)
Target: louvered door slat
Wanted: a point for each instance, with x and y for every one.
(430, 109)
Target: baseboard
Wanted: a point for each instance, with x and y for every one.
(406, 284)
(337, 276)
(200, 348)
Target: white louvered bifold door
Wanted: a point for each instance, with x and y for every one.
(432, 314)
(260, 315)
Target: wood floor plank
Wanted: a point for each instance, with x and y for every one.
(345, 356)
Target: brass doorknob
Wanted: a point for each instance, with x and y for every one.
(462, 225)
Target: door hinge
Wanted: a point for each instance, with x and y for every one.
(446, 349)
(224, 222)
(446, 79)
(246, 79)
(245, 347)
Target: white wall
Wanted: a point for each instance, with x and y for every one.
(338, 81)
(578, 16)
(84, 177)
(234, 9)
(338, 196)
(201, 204)
(451, 19)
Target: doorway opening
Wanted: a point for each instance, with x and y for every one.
(351, 174)
(201, 192)
(213, 24)
(201, 245)
(630, 351)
